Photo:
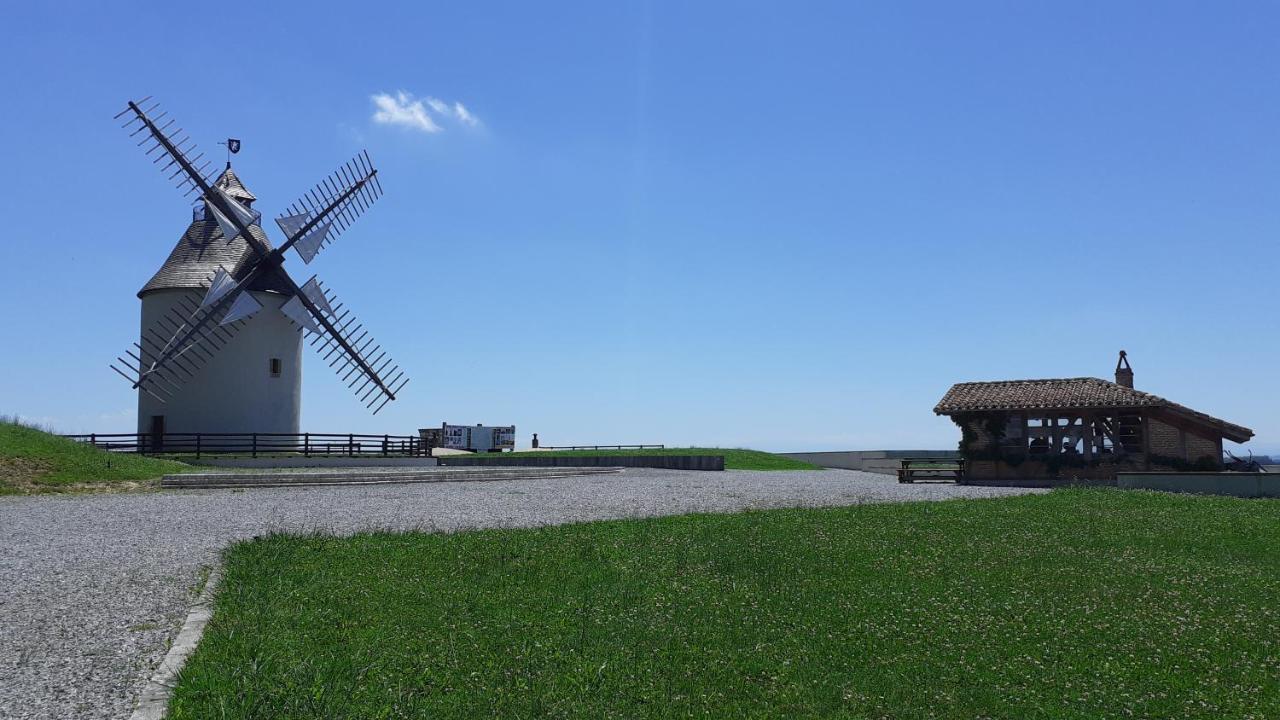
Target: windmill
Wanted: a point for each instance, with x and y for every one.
(212, 356)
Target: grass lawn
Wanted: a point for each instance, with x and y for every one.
(734, 458)
(32, 461)
(1075, 604)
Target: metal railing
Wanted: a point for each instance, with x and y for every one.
(255, 444)
(601, 447)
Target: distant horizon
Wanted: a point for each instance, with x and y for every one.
(780, 227)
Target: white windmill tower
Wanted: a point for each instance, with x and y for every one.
(254, 383)
(222, 321)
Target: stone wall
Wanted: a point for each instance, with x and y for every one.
(1164, 439)
(1172, 442)
(1200, 447)
(982, 439)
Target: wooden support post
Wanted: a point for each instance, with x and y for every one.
(255, 444)
(1146, 442)
(306, 445)
(197, 446)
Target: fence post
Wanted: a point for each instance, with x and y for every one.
(351, 445)
(255, 444)
(306, 444)
(197, 446)
(385, 440)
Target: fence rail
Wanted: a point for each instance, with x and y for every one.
(601, 447)
(255, 444)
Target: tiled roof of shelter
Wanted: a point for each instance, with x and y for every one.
(1068, 394)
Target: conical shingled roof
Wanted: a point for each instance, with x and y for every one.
(230, 182)
(202, 249)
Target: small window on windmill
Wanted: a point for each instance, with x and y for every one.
(275, 367)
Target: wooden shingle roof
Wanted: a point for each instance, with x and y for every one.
(1069, 394)
(230, 182)
(202, 249)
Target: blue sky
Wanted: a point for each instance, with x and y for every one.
(782, 225)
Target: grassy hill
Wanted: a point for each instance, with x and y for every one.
(32, 461)
(734, 458)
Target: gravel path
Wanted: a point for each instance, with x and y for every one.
(93, 587)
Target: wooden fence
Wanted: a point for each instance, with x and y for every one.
(255, 444)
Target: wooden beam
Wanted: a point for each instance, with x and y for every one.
(1146, 441)
(1086, 435)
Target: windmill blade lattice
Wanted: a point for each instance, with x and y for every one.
(350, 350)
(347, 193)
(183, 340)
(156, 134)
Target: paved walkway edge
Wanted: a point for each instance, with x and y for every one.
(154, 702)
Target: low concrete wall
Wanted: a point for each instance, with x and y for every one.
(666, 462)
(885, 462)
(366, 476)
(319, 462)
(1039, 482)
(1248, 485)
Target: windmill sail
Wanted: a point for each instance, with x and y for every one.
(298, 313)
(328, 209)
(174, 146)
(348, 348)
(242, 307)
(316, 295)
(219, 286)
(245, 216)
(174, 348)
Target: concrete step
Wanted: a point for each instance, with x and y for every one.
(368, 476)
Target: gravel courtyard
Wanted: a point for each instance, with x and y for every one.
(93, 587)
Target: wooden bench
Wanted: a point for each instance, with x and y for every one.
(931, 470)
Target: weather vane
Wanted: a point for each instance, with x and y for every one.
(233, 146)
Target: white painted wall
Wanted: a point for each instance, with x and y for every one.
(234, 391)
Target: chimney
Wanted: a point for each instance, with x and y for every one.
(1124, 373)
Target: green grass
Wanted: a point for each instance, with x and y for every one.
(32, 460)
(734, 458)
(1075, 604)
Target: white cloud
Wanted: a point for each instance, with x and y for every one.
(403, 109)
(466, 117)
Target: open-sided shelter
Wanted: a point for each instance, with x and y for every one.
(1080, 427)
